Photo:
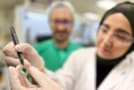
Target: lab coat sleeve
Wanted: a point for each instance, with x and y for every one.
(67, 75)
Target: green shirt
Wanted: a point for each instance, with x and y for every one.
(54, 57)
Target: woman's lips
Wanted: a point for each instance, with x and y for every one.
(105, 51)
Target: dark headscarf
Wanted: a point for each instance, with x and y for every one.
(104, 66)
(127, 9)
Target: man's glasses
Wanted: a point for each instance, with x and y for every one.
(62, 21)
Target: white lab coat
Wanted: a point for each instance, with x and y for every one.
(79, 73)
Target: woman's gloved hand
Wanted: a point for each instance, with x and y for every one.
(19, 82)
(29, 53)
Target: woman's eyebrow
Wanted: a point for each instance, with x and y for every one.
(105, 25)
(119, 30)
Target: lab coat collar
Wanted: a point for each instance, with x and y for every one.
(118, 74)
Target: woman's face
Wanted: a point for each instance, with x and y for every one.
(114, 37)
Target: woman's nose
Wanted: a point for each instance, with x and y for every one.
(108, 40)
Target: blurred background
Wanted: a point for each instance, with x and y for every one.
(31, 21)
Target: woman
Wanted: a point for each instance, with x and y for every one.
(109, 66)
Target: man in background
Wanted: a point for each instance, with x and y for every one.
(56, 50)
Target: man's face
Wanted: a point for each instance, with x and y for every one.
(61, 23)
